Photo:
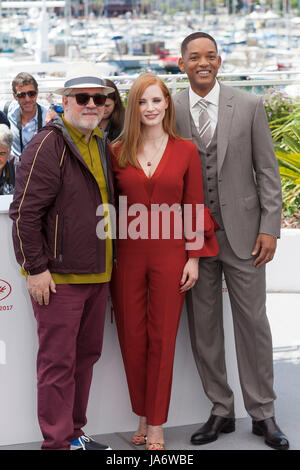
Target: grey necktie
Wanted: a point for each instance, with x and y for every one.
(204, 123)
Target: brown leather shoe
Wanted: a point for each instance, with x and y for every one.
(273, 435)
(210, 431)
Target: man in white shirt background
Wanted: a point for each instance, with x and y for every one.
(25, 115)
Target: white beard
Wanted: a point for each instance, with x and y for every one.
(85, 122)
(88, 122)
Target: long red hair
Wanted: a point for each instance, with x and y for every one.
(131, 139)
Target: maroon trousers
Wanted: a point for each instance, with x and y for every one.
(70, 332)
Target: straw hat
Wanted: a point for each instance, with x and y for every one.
(84, 82)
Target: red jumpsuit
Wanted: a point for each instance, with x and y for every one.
(146, 280)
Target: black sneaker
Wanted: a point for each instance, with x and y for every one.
(85, 442)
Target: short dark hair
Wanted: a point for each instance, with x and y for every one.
(191, 37)
(22, 79)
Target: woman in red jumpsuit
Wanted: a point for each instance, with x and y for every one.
(154, 166)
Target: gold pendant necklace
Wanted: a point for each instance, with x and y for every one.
(149, 162)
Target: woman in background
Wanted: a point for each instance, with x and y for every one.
(114, 112)
(7, 169)
(153, 165)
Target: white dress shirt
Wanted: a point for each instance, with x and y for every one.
(28, 131)
(212, 108)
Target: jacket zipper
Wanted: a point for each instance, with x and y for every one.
(55, 237)
(60, 257)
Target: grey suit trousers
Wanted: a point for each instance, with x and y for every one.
(247, 291)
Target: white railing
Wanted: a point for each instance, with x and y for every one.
(252, 81)
(249, 80)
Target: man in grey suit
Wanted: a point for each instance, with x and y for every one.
(242, 189)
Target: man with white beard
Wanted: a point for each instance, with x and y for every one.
(63, 178)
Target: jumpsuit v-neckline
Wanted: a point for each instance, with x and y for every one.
(149, 181)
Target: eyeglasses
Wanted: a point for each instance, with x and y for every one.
(82, 99)
(30, 93)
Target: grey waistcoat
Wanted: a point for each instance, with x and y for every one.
(208, 158)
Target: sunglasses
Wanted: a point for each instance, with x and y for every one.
(30, 93)
(84, 98)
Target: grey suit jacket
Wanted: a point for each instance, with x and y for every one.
(249, 184)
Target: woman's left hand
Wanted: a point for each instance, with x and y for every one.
(189, 275)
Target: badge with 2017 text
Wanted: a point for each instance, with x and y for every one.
(5, 291)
